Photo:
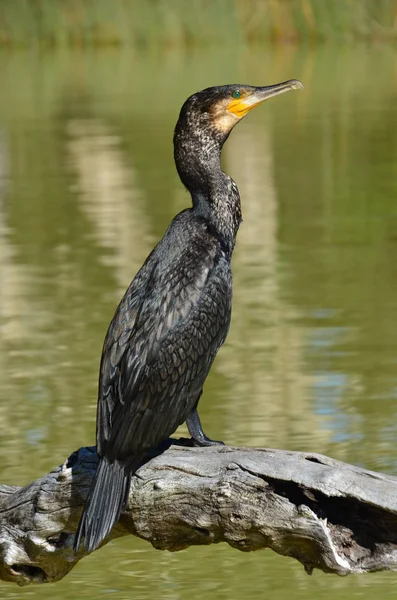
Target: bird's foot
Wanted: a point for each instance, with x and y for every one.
(205, 441)
(196, 431)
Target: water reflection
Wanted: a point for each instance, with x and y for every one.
(109, 196)
(264, 352)
(87, 186)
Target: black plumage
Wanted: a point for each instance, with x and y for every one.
(175, 314)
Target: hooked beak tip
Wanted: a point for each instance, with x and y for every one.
(296, 84)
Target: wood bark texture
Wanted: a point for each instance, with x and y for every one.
(326, 514)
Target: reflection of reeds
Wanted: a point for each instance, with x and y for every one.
(19, 323)
(105, 187)
(138, 22)
(270, 401)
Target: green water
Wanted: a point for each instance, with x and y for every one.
(87, 186)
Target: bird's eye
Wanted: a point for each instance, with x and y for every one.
(236, 94)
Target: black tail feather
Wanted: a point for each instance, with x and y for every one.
(107, 497)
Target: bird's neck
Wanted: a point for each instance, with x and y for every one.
(214, 194)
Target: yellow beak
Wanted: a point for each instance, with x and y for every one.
(241, 106)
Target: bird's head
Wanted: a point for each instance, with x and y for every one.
(205, 121)
(216, 110)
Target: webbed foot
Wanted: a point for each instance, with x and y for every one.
(196, 431)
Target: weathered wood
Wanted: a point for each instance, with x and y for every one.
(326, 514)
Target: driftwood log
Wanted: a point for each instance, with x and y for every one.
(326, 514)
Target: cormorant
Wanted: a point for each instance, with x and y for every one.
(175, 314)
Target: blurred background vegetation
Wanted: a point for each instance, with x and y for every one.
(153, 22)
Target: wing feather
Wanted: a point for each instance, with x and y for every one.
(152, 350)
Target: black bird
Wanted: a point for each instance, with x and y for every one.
(175, 314)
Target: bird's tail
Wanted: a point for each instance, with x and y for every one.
(106, 499)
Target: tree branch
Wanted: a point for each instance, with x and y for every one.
(326, 514)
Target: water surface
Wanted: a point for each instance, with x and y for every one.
(87, 186)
